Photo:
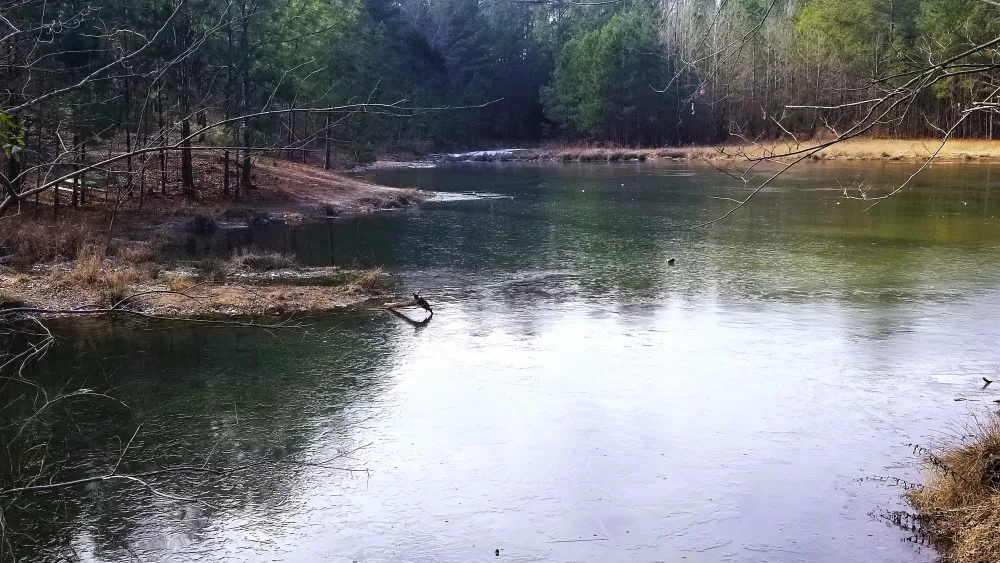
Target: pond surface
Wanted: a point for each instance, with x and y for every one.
(575, 397)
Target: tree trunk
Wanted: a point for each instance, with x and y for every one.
(76, 166)
(229, 105)
(187, 168)
(244, 84)
(129, 184)
(83, 176)
(202, 123)
(163, 141)
(326, 162)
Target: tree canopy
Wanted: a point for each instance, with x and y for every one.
(365, 75)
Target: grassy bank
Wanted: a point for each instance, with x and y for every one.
(959, 504)
(135, 276)
(99, 254)
(855, 149)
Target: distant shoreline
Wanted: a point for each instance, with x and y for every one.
(910, 150)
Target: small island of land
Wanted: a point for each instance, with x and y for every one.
(110, 254)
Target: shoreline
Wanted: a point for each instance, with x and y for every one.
(93, 269)
(957, 507)
(188, 291)
(287, 192)
(63, 267)
(906, 150)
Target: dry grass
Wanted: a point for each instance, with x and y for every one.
(30, 240)
(179, 283)
(125, 275)
(370, 281)
(89, 263)
(390, 199)
(311, 289)
(915, 149)
(855, 149)
(960, 502)
(136, 253)
(331, 192)
(113, 294)
(92, 269)
(249, 260)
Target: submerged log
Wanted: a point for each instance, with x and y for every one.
(417, 301)
(397, 304)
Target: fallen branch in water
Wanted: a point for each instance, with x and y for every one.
(398, 304)
(417, 301)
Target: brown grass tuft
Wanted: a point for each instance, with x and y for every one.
(370, 281)
(247, 259)
(179, 283)
(128, 274)
(137, 253)
(88, 266)
(960, 503)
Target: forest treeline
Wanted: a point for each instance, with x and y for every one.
(354, 76)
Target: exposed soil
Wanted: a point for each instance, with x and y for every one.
(281, 190)
(312, 189)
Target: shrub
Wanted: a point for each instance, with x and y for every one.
(30, 240)
(201, 225)
(364, 155)
(212, 269)
(114, 295)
